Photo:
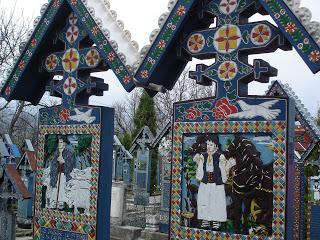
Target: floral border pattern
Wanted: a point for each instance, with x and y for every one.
(279, 131)
(295, 31)
(159, 47)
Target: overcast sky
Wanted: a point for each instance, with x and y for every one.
(141, 17)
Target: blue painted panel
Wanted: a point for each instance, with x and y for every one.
(215, 109)
(78, 115)
(141, 180)
(15, 151)
(105, 175)
(143, 169)
(315, 223)
(126, 173)
(165, 204)
(3, 150)
(52, 234)
(119, 168)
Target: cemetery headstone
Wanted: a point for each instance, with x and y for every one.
(221, 31)
(27, 167)
(307, 137)
(75, 146)
(7, 222)
(127, 172)
(12, 188)
(141, 145)
(121, 159)
(118, 203)
(216, 139)
(74, 162)
(163, 142)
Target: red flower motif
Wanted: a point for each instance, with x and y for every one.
(162, 44)
(111, 56)
(145, 74)
(181, 10)
(95, 30)
(314, 56)
(223, 109)
(56, 3)
(127, 79)
(206, 118)
(228, 5)
(64, 115)
(34, 42)
(193, 114)
(8, 91)
(21, 65)
(291, 27)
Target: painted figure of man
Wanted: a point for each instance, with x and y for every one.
(211, 172)
(60, 169)
(316, 190)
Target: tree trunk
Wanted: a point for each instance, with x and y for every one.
(16, 116)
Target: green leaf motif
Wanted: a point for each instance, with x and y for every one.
(235, 20)
(245, 37)
(232, 95)
(214, 8)
(210, 41)
(227, 85)
(234, 56)
(204, 106)
(244, 70)
(221, 58)
(212, 73)
(241, 4)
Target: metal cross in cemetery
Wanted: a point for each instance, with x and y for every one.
(76, 85)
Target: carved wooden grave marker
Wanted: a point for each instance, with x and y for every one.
(74, 165)
(307, 138)
(141, 145)
(163, 141)
(218, 142)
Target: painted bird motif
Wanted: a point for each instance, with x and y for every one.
(260, 110)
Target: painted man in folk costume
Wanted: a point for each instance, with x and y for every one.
(60, 173)
(316, 190)
(212, 172)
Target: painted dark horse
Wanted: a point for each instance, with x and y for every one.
(251, 180)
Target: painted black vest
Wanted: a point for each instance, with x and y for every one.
(216, 169)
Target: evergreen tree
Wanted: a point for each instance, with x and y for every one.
(126, 140)
(318, 117)
(145, 115)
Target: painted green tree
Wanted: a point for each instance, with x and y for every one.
(146, 116)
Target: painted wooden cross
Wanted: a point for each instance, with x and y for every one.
(74, 64)
(230, 42)
(144, 141)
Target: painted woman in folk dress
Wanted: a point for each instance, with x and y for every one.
(212, 172)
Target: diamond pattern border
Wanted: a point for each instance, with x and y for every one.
(80, 223)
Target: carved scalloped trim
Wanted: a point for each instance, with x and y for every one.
(305, 16)
(298, 104)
